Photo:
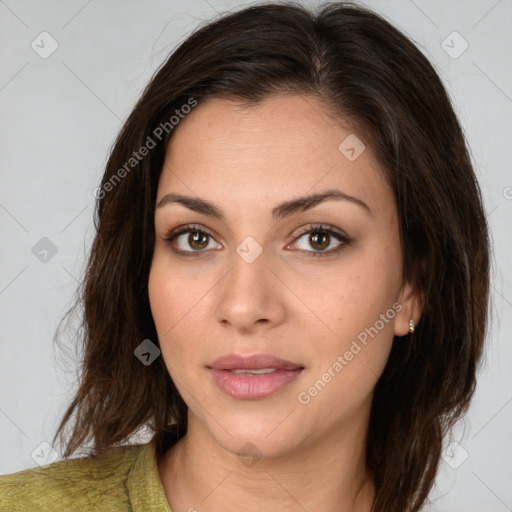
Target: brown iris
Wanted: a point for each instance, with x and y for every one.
(319, 240)
(198, 240)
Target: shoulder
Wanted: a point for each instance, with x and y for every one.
(87, 483)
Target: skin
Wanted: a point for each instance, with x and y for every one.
(306, 310)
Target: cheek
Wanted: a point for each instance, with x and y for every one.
(168, 305)
(172, 293)
(354, 315)
(178, 306)
(340, 302)
(351, 358)
(365, 318)
(160, 298)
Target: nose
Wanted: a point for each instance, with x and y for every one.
(250, 297)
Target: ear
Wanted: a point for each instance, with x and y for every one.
(412, 306)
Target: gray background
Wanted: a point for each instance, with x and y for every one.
(60, 114)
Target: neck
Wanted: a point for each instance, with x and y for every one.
(328, 474)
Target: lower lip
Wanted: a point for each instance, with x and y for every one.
(253, 387)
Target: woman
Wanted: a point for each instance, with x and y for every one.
(289, 281)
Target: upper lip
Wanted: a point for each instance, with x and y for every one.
(252, 362)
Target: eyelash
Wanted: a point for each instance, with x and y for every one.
(311, 229)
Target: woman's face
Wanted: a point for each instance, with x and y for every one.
(266, 278)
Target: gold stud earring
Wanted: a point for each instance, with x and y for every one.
(411, 325)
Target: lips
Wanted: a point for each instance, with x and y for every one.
(253, 362)
(253, 377)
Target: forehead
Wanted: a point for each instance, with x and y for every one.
(281, 147)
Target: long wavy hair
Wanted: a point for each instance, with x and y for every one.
(365, 72)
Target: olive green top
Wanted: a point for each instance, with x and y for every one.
(125, 479)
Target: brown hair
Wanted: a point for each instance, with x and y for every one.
(366, 72)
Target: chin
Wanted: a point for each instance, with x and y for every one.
(247, 435)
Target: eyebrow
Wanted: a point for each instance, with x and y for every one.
(282, 210)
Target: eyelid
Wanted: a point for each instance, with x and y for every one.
(312, 227)
(185, 228)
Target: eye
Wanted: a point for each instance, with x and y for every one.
(324, 240)
(190, 240)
